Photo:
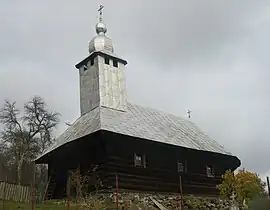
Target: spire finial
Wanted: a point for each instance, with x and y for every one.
(100, 12)
(101, 28)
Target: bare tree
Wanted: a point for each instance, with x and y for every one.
(25, 136)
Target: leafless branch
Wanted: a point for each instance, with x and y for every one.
(9, 116)
(29, 135)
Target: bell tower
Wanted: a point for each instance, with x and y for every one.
(102, 79)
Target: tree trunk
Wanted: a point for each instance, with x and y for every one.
(19, 171)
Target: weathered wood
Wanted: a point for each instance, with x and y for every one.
(158, 172)
(160, 206)
(181, 192)
(46, 188)
(13, 192)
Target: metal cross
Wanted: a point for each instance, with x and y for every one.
(189, 113)
(100, 11)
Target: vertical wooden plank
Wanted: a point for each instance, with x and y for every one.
(3, 198)
(13, 192)
(2, 184)
(1, 190)
(21, 192)
(28, 193)
(7, 191)
(5, 186)
(10, 192)
(26, 197)
(4, 191)
(17, 193)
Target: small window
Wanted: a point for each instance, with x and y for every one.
(139, 160)
(84, 67)
(180, 166)
(92, 62)
(209, 171)
(115, 63)
(107, 60)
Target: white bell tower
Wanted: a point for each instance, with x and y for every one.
(102, 80)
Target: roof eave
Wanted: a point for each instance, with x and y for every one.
(94, 54)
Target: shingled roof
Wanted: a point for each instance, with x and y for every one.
(141, 122)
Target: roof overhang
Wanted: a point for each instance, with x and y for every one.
(94, 54)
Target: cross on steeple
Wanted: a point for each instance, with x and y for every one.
(100, 12)
(189, 113)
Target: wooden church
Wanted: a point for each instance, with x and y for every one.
(147, 149)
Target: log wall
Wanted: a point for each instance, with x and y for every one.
(160, 174)
(114, 154)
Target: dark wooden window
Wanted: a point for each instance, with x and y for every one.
(92, 62)
(115, 63)
(107, 60)
(139, 160)
(209, 171)
(182, 166)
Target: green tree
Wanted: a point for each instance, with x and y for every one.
(247, 185)
(27, 135)
(227, 187)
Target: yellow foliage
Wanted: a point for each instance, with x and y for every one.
(245, 184)
(227, 187)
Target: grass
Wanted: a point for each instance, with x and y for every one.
(7, 205)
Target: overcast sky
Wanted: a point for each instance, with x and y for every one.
(209, 56)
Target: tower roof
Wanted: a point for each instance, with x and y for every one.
(101, 42)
